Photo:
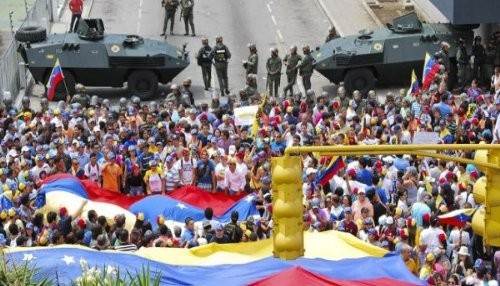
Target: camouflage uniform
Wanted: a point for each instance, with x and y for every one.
(170, 9)
(291, 61)
(187, 14)
(273, 67)
(306, 68)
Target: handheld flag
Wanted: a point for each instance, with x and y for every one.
(255, 126)
(56, 76)
(414, 86)
(330, 171)
(457, 217)
(431, 68)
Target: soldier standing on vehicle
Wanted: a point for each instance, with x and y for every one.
(221, 55)
(332, 34)
(306, 67)
(76, 7)
(291, 62)
(273, 67)
(252, 62)
(443, 55)
(204, 58)
(462, 61)
(81, 96)
(187, 14)
(170, 9)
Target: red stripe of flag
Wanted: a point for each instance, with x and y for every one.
(56, 77)
(328, 174)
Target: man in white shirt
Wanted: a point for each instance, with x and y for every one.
(220, 173)
(234, 180)
(92, 169)
(186, 167)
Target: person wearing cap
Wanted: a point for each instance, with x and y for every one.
(154, 179)
(189, 237)
(309, 188)
(360, 203)
(172, 180)
(205, 173)
(75, 169)
(92, 169)
(186, 167)
(347, 224)
(111, 174)
(220, 237)
(234, 181)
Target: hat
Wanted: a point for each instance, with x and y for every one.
(426, 217)
(154, 163)
(206, 224)
(265, 180)
(187, 220)
(170, 159)
(368, 221)
(372, 231)
(310, 171)
(219, 227)
(351, 173)
(81, 223)
(111, 155)
(361, 191)
(389, 220)
(348, 210)
(478, 263)
(430, 257)
(388, 159)
(160, 220)
(29, 225)
(463, 251)
(63, 211)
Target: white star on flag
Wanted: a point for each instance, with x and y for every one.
(28, 257)
(181, 206)
(249, 198)
(68, 259)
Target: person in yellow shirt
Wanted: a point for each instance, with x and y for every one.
(426, 269)
(409, 261)
(155, 183)
(111, 174)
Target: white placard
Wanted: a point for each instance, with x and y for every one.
(245, 115)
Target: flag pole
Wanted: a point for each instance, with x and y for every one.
(64, 81)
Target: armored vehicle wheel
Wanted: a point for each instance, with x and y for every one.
(61, 92)
(31, 34)
(143, 83)
(359, 79)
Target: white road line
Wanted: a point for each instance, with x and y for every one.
(274, 20)
(269, 8)
(139, 16)
(280, 36)
(329, 16)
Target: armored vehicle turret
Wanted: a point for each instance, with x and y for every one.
(93, 58)
(388, 55)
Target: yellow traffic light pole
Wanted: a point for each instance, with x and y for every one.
(287, 188)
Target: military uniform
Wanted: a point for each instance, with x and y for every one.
(462, 61)
(205, 57)
(273, 67)
(306, 70)
(170, 9)
(291, 61)
(175, 98)
(187, 14)
(81, 98)
(479, 53)
(221, 55)
(252, 63)
(343, 102)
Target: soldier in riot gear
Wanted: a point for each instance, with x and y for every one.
(186, 91)
(7, 101)
(342, 97)
(44, 105)
(106, 103)
(273, 67)
(170, 9)
(136, 102)
(252, 62)
(221, 55)
(174, 95)
(306, 67)
(204, 58)
(310, 95)
(462, 62)
(94, 100)
(80, 95)
(187, 14)
(123, 102)
(291, 62)
(153, 106)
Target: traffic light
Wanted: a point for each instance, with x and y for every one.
(486, 220)
(288, 238)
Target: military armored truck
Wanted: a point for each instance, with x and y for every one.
(93, 58)
(388, 55)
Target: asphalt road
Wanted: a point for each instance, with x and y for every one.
(268, 24)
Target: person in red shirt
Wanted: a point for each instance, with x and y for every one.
(76, 7)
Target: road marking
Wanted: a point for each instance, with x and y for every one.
(274, 20)
(280, 36)
(139, 16)
(329, 16)
(269, 8)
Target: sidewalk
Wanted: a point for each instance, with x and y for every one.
(348, 16)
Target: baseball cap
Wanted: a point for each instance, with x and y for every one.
(154, 163)
(206, 224)
(348, 210)
(219, 227)
(310, 171)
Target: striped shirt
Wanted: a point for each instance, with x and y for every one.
(172, 179)
(126, 247)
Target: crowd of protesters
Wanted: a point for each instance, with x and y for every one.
(141, 149)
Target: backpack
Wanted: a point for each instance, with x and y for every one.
(231, 230)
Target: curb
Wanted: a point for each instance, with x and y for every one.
(372, 14)
(332, 21)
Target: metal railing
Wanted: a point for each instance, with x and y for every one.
(13, 77)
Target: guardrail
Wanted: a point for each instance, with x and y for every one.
(14, 77)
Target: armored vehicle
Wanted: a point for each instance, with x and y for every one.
(387, 55)
(93, 58)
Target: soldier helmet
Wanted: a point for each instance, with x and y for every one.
(187, 82)
(76, 105)
(79, 87)
(174, 86)
(324, 94)
(61, 104)
(136, 100)
(26, 101)
(306, 48)
(7, 100)
(356, 93)
(310, 92)
(371, 93)
(204, 40)
(123, 102)
(94, 100)
(273, 50)
(106, 103)
(218, 39)
(298, 94)
(44, 101)
(252, 46)
(153, 105)
(445, 45)
(293, 48)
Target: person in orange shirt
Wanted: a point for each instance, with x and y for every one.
(111, 174)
